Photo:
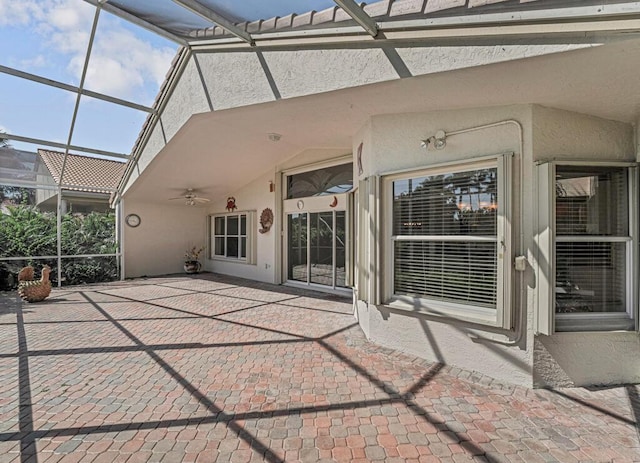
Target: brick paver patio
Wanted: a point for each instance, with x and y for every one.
(218, 369)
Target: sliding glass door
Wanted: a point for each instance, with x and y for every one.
(316, 248)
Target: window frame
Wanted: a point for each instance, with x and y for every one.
(501, 315)
(249, 236)
(548, 321)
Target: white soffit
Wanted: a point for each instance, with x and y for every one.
(224, 150)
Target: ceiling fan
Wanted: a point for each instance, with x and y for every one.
(191, 198)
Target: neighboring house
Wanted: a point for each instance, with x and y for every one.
(469, 175)
(87, 185)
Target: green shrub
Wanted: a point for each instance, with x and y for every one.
(25, 231)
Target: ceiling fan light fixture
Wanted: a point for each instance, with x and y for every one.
(191, 198)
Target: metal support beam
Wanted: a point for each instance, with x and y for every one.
(210, 15)
(73, 88)
(87, 57)
(40, 141)
(353, 9)
(138, 21)
(59, 233)
(166, 91)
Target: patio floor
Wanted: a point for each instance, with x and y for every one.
(211, 368)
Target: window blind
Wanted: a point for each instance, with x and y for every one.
(445, 237)
(448, 271)
(592, 239)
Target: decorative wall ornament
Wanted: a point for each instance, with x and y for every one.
(231, 204)
(359, 159)
(334, 203)
(266, 220)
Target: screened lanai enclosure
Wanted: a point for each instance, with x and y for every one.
(78, 81)
(465, 170)
(84, 83)
(73, 101)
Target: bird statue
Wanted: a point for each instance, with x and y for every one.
(31, 290)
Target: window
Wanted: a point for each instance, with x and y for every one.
(593, 248)
(329, 180)
(449, 251)
(230, 235)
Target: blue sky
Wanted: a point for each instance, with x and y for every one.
(50, 37)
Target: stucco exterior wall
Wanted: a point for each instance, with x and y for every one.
(584, 358)
(395, 146)
(254, 196)
(581, 359)
(165, 233)
(218, 81)
(564, 135)
(559, 360)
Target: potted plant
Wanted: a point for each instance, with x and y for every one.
(191, 262)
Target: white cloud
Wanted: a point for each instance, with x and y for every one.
(17, 13)
(38, 61)
(122, 64)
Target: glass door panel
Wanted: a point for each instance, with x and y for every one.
(321, 255)
(297, 247)
(341, 248)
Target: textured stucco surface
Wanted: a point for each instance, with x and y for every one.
(567, 135)
(154, 145)
(582, 359)
(235, 79)
(395, 146)
(253, 197)
(307, 72)
(430, 60)
(448, 343)
(188, 98)
(158, 244)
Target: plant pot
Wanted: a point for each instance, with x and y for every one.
(192, 266)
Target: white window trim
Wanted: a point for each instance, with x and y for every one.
(251, 238)
(499, 317)
(546, 317)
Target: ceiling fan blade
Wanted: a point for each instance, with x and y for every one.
(179, 197)
(201, 200)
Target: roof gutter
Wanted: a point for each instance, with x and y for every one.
(560, 22)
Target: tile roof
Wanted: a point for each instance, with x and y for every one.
(384, 10)
(84, 173)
